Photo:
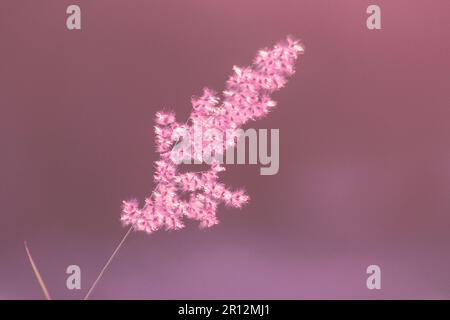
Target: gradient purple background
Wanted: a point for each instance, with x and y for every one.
(365, 156)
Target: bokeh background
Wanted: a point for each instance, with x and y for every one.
(364, 162)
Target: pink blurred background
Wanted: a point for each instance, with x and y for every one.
(364, 161)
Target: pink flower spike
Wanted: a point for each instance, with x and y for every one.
(246, 97)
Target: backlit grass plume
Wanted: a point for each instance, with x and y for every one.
(246, 97)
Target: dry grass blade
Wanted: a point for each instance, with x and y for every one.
(37, 274)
